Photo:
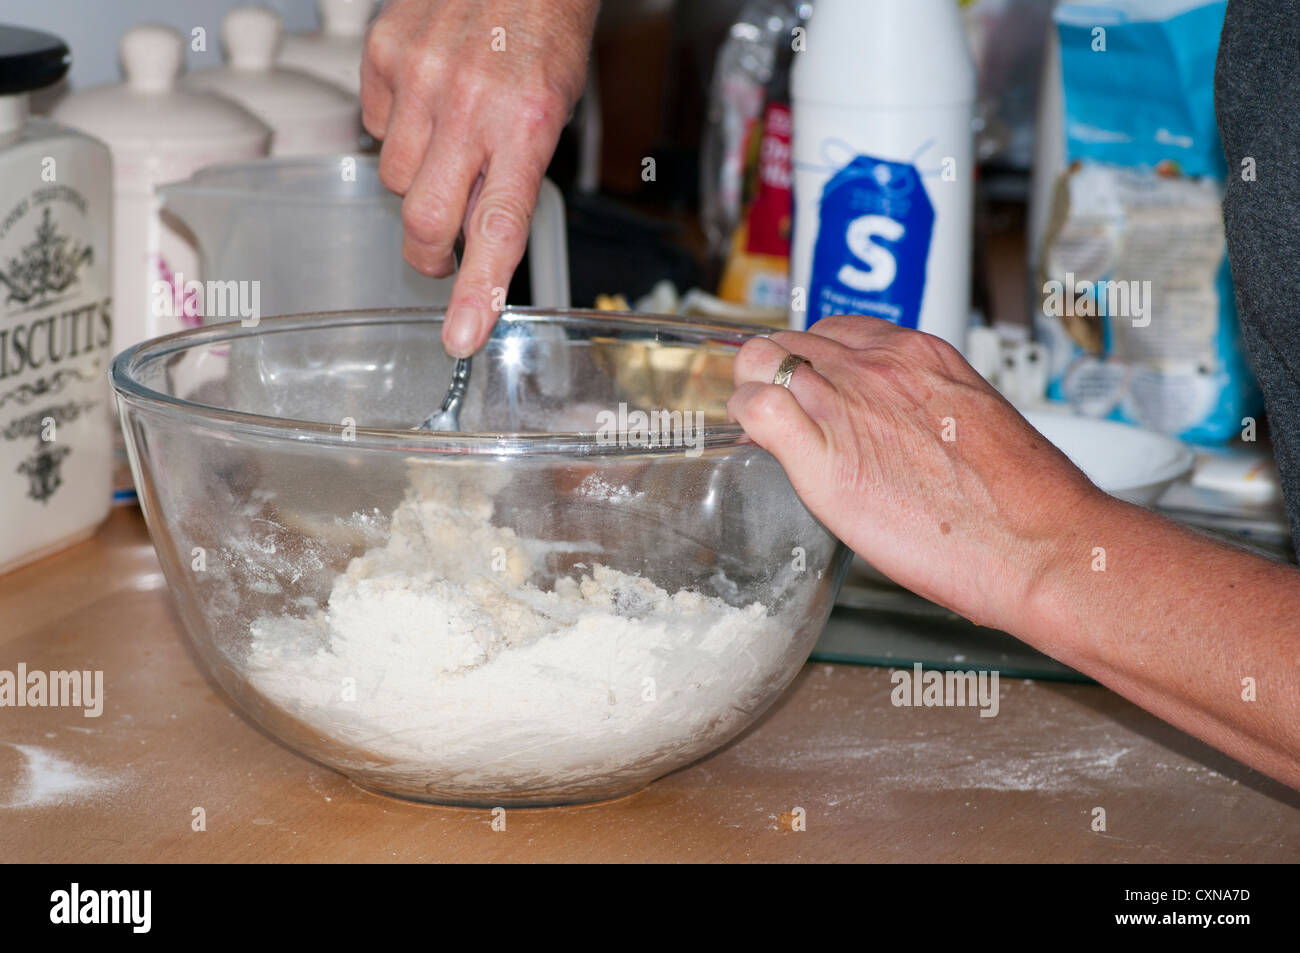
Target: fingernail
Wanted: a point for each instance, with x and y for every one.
(458, 331)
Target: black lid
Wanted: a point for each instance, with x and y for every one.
(30, 59)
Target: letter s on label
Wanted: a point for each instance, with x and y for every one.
(880, 260)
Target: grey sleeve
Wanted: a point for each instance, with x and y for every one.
(1257, 102)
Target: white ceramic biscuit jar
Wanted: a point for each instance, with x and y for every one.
(334, 53)
(158, 133)
(306, 115)
(56, 314)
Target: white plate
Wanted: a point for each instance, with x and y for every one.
(1133, 464)
(1128, 462)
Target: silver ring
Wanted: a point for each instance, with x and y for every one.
(787, 368)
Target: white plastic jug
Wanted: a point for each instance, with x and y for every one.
(883, 165)
(323, 234)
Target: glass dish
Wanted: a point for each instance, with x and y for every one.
(550, 607)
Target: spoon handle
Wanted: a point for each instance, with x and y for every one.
(459, 384)
(447, 417)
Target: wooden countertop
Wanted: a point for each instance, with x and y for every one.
(876, 783)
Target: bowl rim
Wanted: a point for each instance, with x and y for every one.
(129, 390)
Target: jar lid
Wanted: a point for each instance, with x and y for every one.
(334, 53)
(282, 98)
(30, 59)
(150, 112)
(345, 17)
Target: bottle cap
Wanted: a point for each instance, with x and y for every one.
(30, 59)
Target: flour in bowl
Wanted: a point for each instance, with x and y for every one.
(447, 673)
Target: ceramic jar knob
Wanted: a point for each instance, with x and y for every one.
(151, 58)
(345, 17)
(252, 37)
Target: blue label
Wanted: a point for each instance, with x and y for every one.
(873, 240)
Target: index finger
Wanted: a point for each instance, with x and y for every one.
(495, 238)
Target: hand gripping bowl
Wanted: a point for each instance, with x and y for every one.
(559, 604)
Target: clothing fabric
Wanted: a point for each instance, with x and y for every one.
(1257, 103)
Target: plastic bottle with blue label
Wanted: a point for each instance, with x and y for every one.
(883, 165)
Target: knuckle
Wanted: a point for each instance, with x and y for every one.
(542, 112)
(425, 260)
(923, 349)
(428, 222)
(475, 86)
(833, 323)
(441, 268)
(887, 367)
(503, 221)
(423, 72)
(769, 405)
(942, 351)
(382, 44)
(750, 357)
(843, 327)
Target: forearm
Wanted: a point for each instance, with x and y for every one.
(995, 523)
(1178, 623)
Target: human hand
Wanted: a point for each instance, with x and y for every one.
(904, 452)
(469, 98)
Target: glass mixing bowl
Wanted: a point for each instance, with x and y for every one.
(560, 604)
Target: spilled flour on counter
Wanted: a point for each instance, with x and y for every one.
(442, 665)
(45, 779)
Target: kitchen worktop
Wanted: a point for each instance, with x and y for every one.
(875, 782)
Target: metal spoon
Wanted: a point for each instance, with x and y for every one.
(448, 416)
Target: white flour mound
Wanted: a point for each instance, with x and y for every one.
(446, 670)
